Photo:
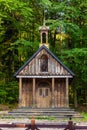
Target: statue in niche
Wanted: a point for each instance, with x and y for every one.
(44, 64)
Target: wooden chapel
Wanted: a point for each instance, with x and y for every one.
(44, 79)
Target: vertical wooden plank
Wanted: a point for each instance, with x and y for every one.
(53, 93)
(33, 92)
(23, 98)
(39, 66)
(20, 92)
(58, 68)
(27, 93)
(67, 93)
(36, 66)
(32, 68)
(58, 93)
(62, 93)
(49, 65)
(30, 92)
(62, 70)
(61, 89)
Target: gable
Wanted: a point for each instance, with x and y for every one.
(44, 64)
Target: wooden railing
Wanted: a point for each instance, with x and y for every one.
(38, 126)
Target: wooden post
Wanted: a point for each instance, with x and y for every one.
(20, 92)
(33, 92)
(46, 37)
(32, 123)
(59, 94)
(70, 125)
(52, 92)
(67, 93)
(41, 37)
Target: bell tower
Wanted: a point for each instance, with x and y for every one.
(44, 35)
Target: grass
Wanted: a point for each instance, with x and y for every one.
(83, 119)
(45, 118)
(84, 114)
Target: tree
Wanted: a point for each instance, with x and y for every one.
(76, 59)
(14, 17)
(68, 17)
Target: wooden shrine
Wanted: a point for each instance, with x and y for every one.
(44, 79)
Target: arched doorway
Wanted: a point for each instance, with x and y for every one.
(43, 95)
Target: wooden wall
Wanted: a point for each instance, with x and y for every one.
(27, 92)
(59, 92)
(54, 67)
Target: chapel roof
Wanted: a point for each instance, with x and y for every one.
(68, 72)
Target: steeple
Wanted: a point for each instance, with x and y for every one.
(44, 34)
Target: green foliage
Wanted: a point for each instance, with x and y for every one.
(9, 93)
(45, 3)
(84, 115)
(76, 60)
(14, 15)
(69, 17)
(25, 49)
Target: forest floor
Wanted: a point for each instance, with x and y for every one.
(82, 108)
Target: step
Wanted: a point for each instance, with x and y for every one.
(43, 109)
(39, 116)
(41, 112)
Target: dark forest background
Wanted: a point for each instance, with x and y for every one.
(19, 40)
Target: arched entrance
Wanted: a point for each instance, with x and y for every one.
(43, 95)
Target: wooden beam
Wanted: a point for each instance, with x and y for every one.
(58, 93)
(20, 92)
(53, 93)
(33, 92)
(67, 93)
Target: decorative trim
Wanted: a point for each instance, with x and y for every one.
(19, 76)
